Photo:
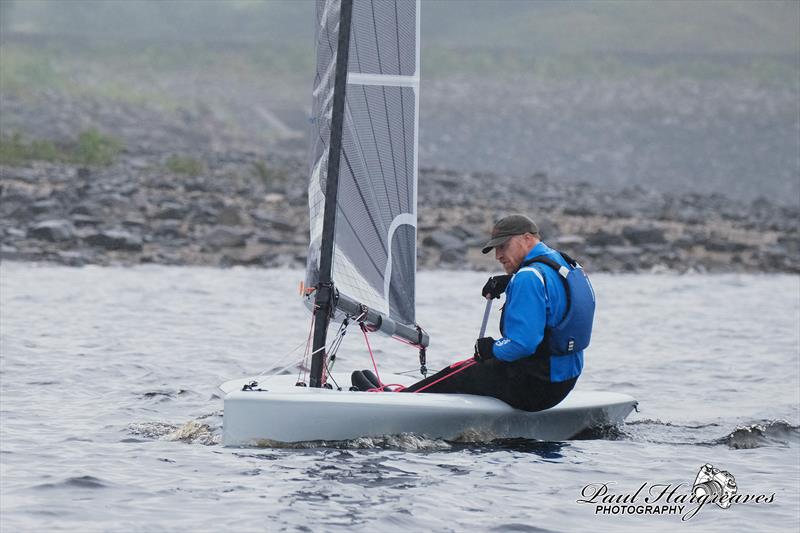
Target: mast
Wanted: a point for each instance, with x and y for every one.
(325, 291)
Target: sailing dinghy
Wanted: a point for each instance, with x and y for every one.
(362, 256)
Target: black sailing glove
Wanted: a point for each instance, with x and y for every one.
(484, 349)
(495, 286)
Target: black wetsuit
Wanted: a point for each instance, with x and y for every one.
(518, 383)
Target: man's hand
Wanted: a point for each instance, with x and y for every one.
(484, 349)
(495, 286)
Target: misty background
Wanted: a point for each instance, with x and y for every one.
(670, 95)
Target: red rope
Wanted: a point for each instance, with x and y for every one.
(372, 356)
(461, 365)
(458, 365)
(385, 387)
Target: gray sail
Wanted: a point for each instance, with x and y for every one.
(374, 258)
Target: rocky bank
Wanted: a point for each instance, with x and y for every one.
(190, 187)
(235, 213)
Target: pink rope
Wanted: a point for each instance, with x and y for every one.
(458, 365)
(374, 365)
(461, 365)
(384, 387)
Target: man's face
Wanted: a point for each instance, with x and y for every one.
(511, 253)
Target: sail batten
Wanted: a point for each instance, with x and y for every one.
(374, 242)
(386, 80)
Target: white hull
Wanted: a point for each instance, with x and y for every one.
(283, 412)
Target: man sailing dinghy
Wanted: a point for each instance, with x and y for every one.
(362, 255)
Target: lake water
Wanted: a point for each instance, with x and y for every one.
(111, 420)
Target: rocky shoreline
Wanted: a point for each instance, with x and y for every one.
(243, 209)
(192, 186)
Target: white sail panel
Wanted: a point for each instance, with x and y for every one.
(375, 240)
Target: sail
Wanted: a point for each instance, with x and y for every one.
(374, 248)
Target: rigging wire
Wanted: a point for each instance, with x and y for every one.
(281, 358)
(333, 349)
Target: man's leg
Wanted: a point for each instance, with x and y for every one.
(467, 377)
(512, 383)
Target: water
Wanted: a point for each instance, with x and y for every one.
(110, 420)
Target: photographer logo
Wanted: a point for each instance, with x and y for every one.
(714, 483)
(711, 486)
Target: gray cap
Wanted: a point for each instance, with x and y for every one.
(507, 227)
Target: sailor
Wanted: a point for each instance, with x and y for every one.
(545, 325)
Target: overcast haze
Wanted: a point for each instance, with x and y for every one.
(678, 95)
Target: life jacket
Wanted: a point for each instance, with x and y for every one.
(574, 332)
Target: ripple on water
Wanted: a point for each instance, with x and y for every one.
(154, 391)
(164, 395)
(79, 482)
(771, 433)
(755, 434)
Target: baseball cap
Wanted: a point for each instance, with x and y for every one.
(507, 227)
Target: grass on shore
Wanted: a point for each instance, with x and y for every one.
(91, 148)
(129, 71)
(269, 176)
(186, 165)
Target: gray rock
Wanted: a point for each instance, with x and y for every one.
(548, 229)
(451, 256)
(113, 200)
(594, 251)
(604, 238)
(71, 258)
(280, 238)
(252, 254)
(115, 240)
(46, 206)
(172, 210)
(170, 229)
(464, 233)
(443, 240)
(476, 218)
(567, 241)
(195, 185)
(20, 211)
(230, 215)
(204, 214)
(11, 202)
(791, 243)
(134, 223)
(85, 208)
(656, 248)
(684, 242)
(15, 233)
(81, 221)
(276, 222)
(580, 210)
(227, 237)
(624, 251)
(52, 230)
(644, 234)
(725, 246)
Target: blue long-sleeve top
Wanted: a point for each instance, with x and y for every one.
(535, 298)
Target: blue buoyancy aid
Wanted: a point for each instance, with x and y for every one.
(574, 332)
(543, 301)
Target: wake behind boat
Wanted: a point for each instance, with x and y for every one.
(362, 256)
